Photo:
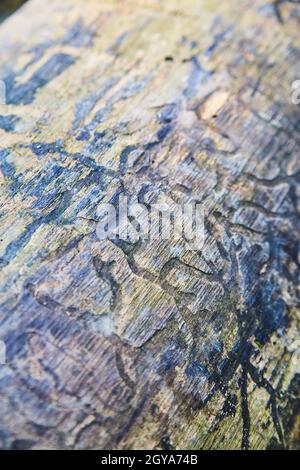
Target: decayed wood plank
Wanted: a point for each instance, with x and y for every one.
(149, 345)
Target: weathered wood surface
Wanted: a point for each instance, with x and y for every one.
(148, 345)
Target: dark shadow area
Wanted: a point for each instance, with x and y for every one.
(7, 7)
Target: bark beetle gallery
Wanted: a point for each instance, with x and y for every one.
(134, 342)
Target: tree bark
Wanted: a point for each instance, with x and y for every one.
(149, 344)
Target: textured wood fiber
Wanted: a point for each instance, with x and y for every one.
(149, 345)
